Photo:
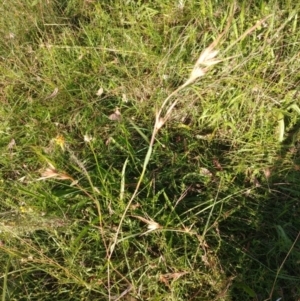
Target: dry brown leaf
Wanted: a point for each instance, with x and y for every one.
(116, 116)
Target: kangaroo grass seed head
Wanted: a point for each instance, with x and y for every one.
(207, 56)
(205, 60)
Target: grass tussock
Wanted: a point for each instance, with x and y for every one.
(149, 150)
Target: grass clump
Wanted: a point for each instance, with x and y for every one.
(129, 174)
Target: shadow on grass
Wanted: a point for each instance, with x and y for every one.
(260, 244)
(255, 228)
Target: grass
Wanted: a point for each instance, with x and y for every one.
(92, 207)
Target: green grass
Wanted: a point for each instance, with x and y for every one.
(214, 214)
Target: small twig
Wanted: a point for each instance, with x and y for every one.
(122, 294)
